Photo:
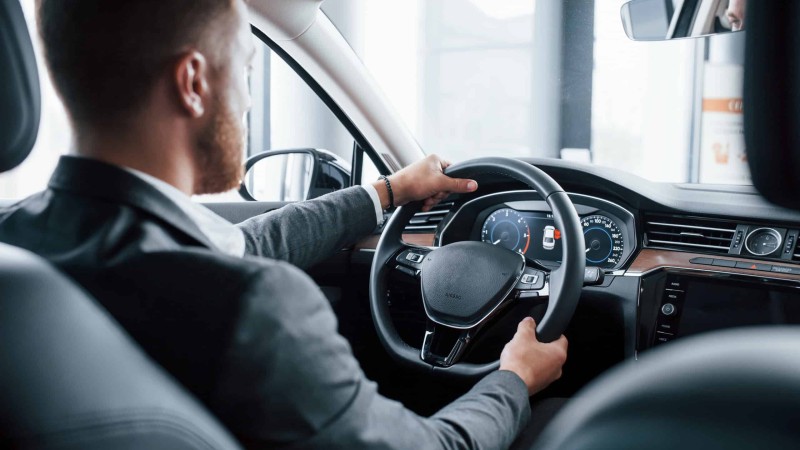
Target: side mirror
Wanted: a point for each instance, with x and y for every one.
(660, 20)
(293, 175)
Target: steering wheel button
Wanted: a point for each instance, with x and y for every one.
(407, 271)
(414, 257)
(528, 294)
(529, 279)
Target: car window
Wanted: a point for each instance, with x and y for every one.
(526, 78)
(286, 114)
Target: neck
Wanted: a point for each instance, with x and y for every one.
(156, 149)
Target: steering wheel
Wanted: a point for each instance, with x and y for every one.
(465, 284)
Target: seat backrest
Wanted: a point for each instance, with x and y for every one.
(20, 98)
(737, 388)
(70, 378)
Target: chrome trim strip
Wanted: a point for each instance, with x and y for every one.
(420, 228)
(694, 227)
(650, 241)
(712, 273)
(432, 213)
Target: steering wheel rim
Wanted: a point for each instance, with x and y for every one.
(565, 283)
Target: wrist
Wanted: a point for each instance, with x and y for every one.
(383, 193)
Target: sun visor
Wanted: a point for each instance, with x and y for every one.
(772, 100)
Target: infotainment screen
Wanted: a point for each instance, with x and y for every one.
(717, 304)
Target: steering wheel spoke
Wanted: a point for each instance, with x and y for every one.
(533, 284)
(409, 260)
(444, 346)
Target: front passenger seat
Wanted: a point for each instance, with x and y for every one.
(70, 378)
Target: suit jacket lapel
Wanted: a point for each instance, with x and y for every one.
(92, 178)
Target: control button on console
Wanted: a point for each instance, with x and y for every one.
(674, 284)
(724, 263)
(785, 269)
(661, 338)
(702, 261)
(673, 296)
(754, 266)
(669, 327)
(668, 309)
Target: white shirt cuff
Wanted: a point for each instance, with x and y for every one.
(376, 201)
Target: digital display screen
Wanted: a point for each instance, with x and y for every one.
(714, 305)
(545, 238)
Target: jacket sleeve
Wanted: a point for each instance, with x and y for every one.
(305, 233)
(290, 380)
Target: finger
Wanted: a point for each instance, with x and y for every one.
(562, 342)
(527, 327)
(462, 186)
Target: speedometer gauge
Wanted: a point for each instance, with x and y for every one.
(507, 228)
(604, 242)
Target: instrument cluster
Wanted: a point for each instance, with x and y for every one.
(518, 222)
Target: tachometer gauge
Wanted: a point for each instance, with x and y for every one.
(507, 228)
(604, 242)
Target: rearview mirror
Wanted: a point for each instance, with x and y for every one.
(659, 20)
(293, 175)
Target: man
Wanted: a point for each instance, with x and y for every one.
(156, 93)
(735, 13)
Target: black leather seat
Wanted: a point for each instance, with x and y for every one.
(70, 378)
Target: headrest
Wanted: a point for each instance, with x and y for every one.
(20, 99)
(772, 100)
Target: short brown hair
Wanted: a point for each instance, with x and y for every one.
(105, 55)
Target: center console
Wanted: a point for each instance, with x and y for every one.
(676, 304)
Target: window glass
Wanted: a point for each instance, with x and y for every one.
(554, 79)
(286, 114)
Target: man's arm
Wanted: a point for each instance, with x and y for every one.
(289, 379)
(305, 233)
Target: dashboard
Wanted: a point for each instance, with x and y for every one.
(670, 272)
(679, 260)
(520, 221)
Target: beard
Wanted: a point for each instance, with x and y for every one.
(219, 151)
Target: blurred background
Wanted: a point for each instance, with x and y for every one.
(538, 78)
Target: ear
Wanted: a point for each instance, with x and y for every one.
(191, 82)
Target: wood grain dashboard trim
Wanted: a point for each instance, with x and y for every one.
(422, 239)
(649, 260)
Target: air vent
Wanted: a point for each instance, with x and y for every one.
(689, 233)
(426, 222)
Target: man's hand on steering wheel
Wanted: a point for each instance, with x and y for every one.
(537, 363)
(423, 180)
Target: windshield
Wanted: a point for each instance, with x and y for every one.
(554, 79)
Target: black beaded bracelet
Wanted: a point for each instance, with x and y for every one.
(388, 188)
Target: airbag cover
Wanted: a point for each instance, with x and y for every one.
(463, 282)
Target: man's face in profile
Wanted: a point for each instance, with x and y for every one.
(735, 14)
(219, 146)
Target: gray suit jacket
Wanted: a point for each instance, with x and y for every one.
(253, 338)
